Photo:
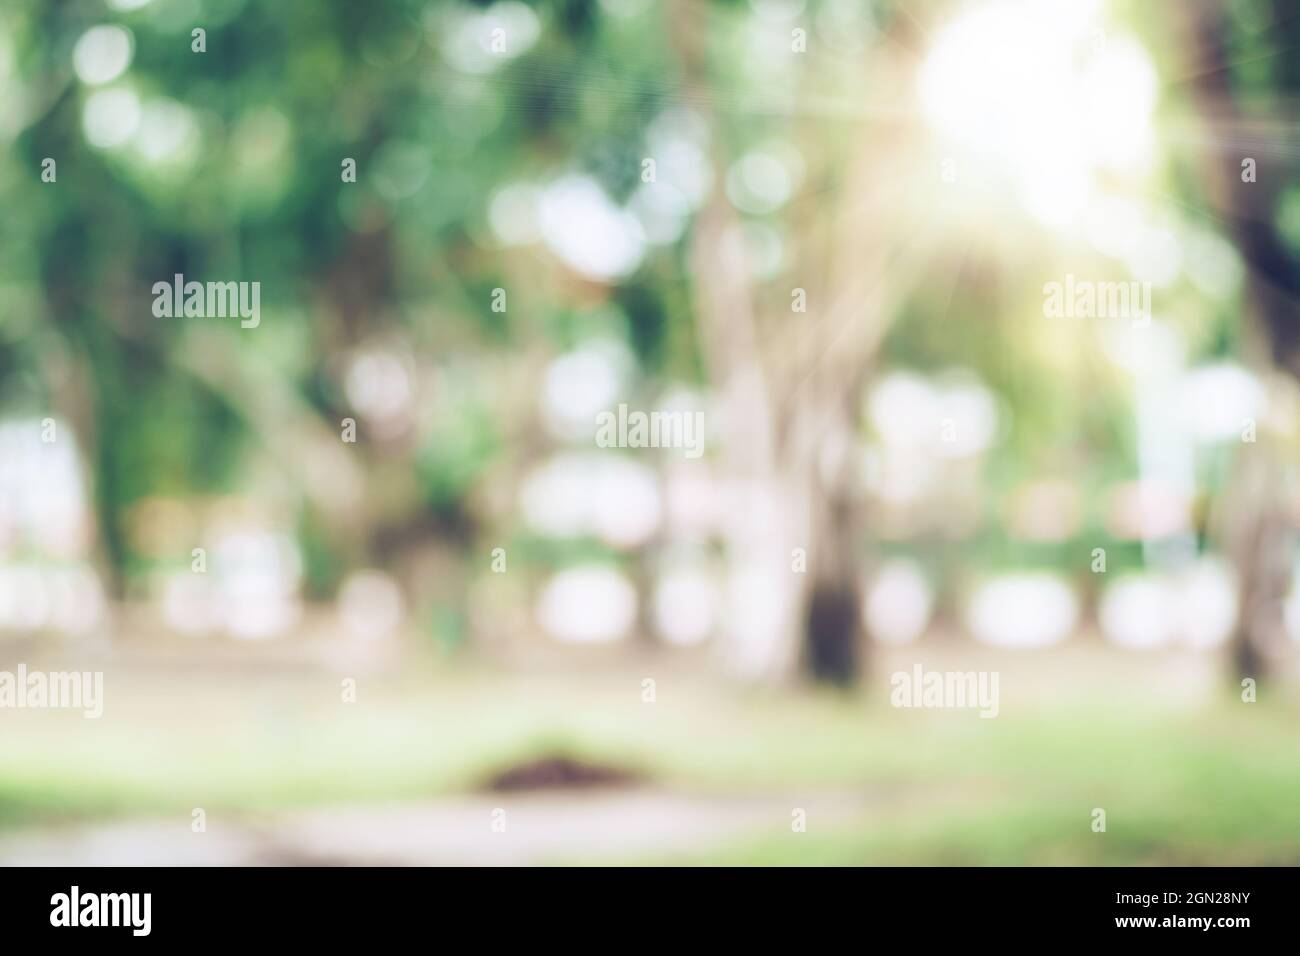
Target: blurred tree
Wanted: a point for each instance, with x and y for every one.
(1249, 173)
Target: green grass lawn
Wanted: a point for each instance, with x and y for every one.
(1185, 780)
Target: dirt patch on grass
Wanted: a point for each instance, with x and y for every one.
(560, 772)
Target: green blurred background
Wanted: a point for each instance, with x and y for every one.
(361, 576)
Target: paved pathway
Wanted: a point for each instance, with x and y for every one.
(540, 827)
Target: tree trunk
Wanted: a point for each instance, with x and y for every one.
(833, 652)
(1254, 525)
(1260, 543)
(790, 383)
